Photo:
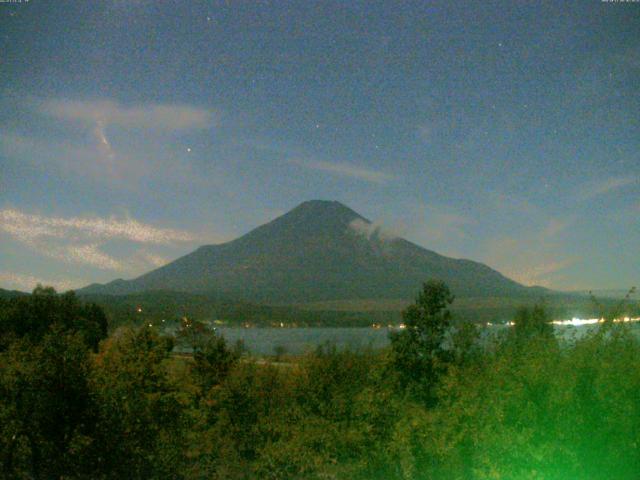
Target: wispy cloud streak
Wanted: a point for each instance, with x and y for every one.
(345, 170)
(26, 226)
(79, 240)
(166, 117)
(19, 281)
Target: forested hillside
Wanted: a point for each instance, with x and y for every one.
(437, 404)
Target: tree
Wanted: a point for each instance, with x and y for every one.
(46, 413)
(532, 323)
(32, 316)
(465, 343)
(212, 358)
(141, 415)
(419, 353)
(612, 311)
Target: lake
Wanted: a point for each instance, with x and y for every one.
(264, 341)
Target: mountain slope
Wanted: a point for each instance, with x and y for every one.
(11, 293)
(318, 251)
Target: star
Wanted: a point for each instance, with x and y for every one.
(189, 149)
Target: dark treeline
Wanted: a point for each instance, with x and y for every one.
(438, 404)
(154, 306)
(143, 308)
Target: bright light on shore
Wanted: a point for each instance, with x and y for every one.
(576, 322)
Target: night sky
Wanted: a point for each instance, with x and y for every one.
(504, 132)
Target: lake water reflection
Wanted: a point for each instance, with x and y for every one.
(264, 341)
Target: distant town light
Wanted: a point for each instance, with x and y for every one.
(577, 322)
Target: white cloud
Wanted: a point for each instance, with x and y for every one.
(166, 117)
(111, 143)
(19, 281)
(99, 162)
(104, 159)
(80, 240)
(103, 142)
(90, 255)
(25, 226)
(369, 230)
(345, 170)
(81, 254)
(150, 259)
(141, 165)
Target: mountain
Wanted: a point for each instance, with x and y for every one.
(11, 293)
(319, 251)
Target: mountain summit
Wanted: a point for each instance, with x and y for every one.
(320, 250)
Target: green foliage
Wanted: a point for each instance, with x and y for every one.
(45, 406)
(212, 359)
(32, 316)
(419, 351)
(141, 415)
(530, 323)
(66, 412)
(466, 345)
(623, 307)
(322, 426)
(555, 413)
(445, 401)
